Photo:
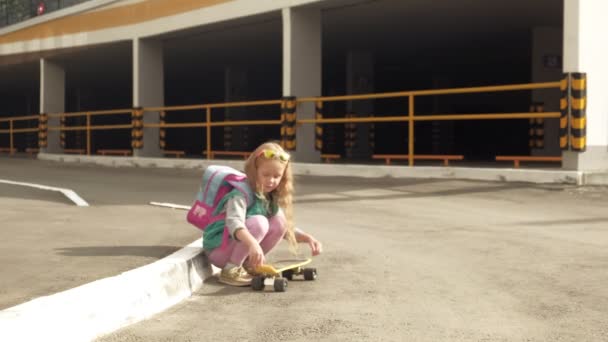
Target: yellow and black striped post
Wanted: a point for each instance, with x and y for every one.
(62, 133)
(578, 120)
(350, 133)
(43, 130)
(318, 126)
(372, 137)
(564, 108)
(137, 128)
(245, 135)
(288, 123)
(228, 138)
(162, 133)
(537, 127)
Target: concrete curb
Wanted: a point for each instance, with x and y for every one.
(103, 306)
(596, 178)
(365, 171)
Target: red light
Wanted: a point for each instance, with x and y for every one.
(41, 8)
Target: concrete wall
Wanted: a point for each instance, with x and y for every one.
(586, 50)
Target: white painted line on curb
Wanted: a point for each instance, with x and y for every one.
(66, 192)
(89, 311)
(170, 205)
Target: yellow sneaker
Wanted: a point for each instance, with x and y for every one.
(235, 276)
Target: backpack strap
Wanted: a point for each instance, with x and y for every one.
(242, 185)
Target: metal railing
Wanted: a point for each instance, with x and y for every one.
(208, 123)
(11, 130)
(411, 117)
(88, 127)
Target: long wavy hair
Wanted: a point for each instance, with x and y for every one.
(282, 196)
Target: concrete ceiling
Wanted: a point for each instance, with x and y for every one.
(19, 76)
(386, 26)
(255, 41)
(437, 18)
(82, 64)
(404, 27)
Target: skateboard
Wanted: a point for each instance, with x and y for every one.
(278, 273)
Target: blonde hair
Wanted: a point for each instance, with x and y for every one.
(282, 196)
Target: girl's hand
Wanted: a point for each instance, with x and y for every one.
(256, 255)
(254, 251)
(315, 246)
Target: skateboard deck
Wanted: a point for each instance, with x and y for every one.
(278, 272)
(275, 268)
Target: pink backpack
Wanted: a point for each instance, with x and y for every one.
(217, 182)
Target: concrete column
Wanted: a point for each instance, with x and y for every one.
(360, 80)
(148, 90)
(547, 67)
(52, 100)
(236, 138)
(586, 50)
(302, 71)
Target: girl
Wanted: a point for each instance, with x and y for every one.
(256, 229)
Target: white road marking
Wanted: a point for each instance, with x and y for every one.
(171, 205)
(66, 192)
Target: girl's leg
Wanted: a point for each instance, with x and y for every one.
(268, 232)
(236, 251)
(219, 257)
(276, 231)
(232, 256)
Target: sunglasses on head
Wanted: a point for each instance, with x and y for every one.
(270, 154)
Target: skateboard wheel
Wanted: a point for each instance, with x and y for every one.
(257, 283)
(287, 274)
(280, 284)
(310, 273)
